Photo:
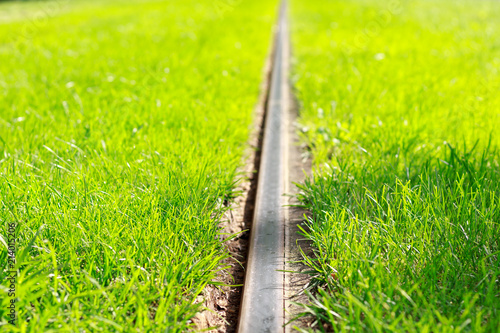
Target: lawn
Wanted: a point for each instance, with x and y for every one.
(400, 110)
(122, 125)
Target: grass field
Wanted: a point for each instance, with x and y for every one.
(122, 124)
(400, 110)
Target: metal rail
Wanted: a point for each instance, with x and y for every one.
(262, 303)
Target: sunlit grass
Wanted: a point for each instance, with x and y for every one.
(399, 108)
(121, 127)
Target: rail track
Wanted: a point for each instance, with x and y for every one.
(265, 305)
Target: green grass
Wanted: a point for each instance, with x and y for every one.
(400, 111)
(122, 124)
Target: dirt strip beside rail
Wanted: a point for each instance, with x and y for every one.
(269, 292)
(272, 164)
